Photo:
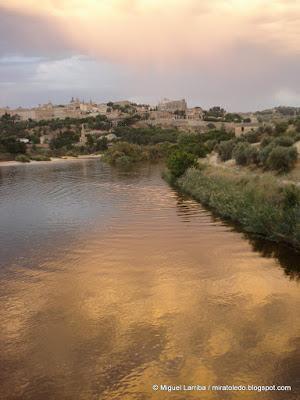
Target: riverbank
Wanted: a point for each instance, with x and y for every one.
(52, 159)
(259, 203)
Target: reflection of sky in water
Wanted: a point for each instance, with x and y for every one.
(125, 284)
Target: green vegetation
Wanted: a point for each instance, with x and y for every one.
(257, 202)
(124, 154)
(225, 149)
(151, 143)
(64, 140)
(95, 144)
(262, 148)
(245, 154)
(65, 135)
(22, 158)
(282, 159)
(40, 157)
(179, 161)
(146, 136)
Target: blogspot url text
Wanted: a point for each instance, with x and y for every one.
(221, 388)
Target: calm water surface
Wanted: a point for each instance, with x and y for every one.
(111, 282)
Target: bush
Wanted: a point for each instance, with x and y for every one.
(282, 159)
(225, 149)
(123, 154)
(245, 154)
(179, 161)
(265, 152)
(285, 141)
(253, 136)
(146, 136)
(22, 158)
(281, 128)
(40, 157)
(265, 141)
(71, 153)
(192, 143)
(12, 145)
(65, 139)
(211, 144)
(124, 161)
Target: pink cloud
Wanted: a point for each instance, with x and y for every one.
(170, 32)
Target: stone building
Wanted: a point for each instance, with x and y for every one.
(24, 113)
(157, 115)
(194, 113)
(172, 105)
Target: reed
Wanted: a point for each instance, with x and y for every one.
(259, 203)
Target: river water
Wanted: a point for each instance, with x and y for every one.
(111, 282)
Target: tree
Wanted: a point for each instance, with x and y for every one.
(245, 154)
(216, 111)
(281, 128)
(64, 139)
(12, 145)
(282, 159)
(232, 117)
(101, 144)
(225, 149)
(179, 161)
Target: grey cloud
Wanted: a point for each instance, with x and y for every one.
(30, 35)
(248, 76)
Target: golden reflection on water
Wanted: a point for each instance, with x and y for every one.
(166, 295)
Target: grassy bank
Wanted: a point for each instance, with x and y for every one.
(259, 203)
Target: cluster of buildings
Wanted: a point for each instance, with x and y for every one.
(167, 109)
(75, 109)
(167, 113)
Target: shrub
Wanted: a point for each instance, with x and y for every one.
(265, 152)
(245, 154)
(192, 143)
(253, 136)
(12, 145)
(281, 128)
(64, 139)
(40, 157)
(146, 136)
(22, 158)
(285, 141)
(71, 153)
(265, 141)
(124, 161)
(179, 161)
(282, 159)
(133, 152)
(120, 149)
(291, 196)
(225, 149)
(211, 144)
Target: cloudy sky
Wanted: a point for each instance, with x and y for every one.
(241, 54)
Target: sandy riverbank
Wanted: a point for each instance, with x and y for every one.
(53, 159)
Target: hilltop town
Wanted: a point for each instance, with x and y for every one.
(167, 113)
(84, 127)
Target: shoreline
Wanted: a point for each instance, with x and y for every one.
(52, 160)
(259, 205)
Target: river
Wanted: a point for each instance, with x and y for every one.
(112, 282)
